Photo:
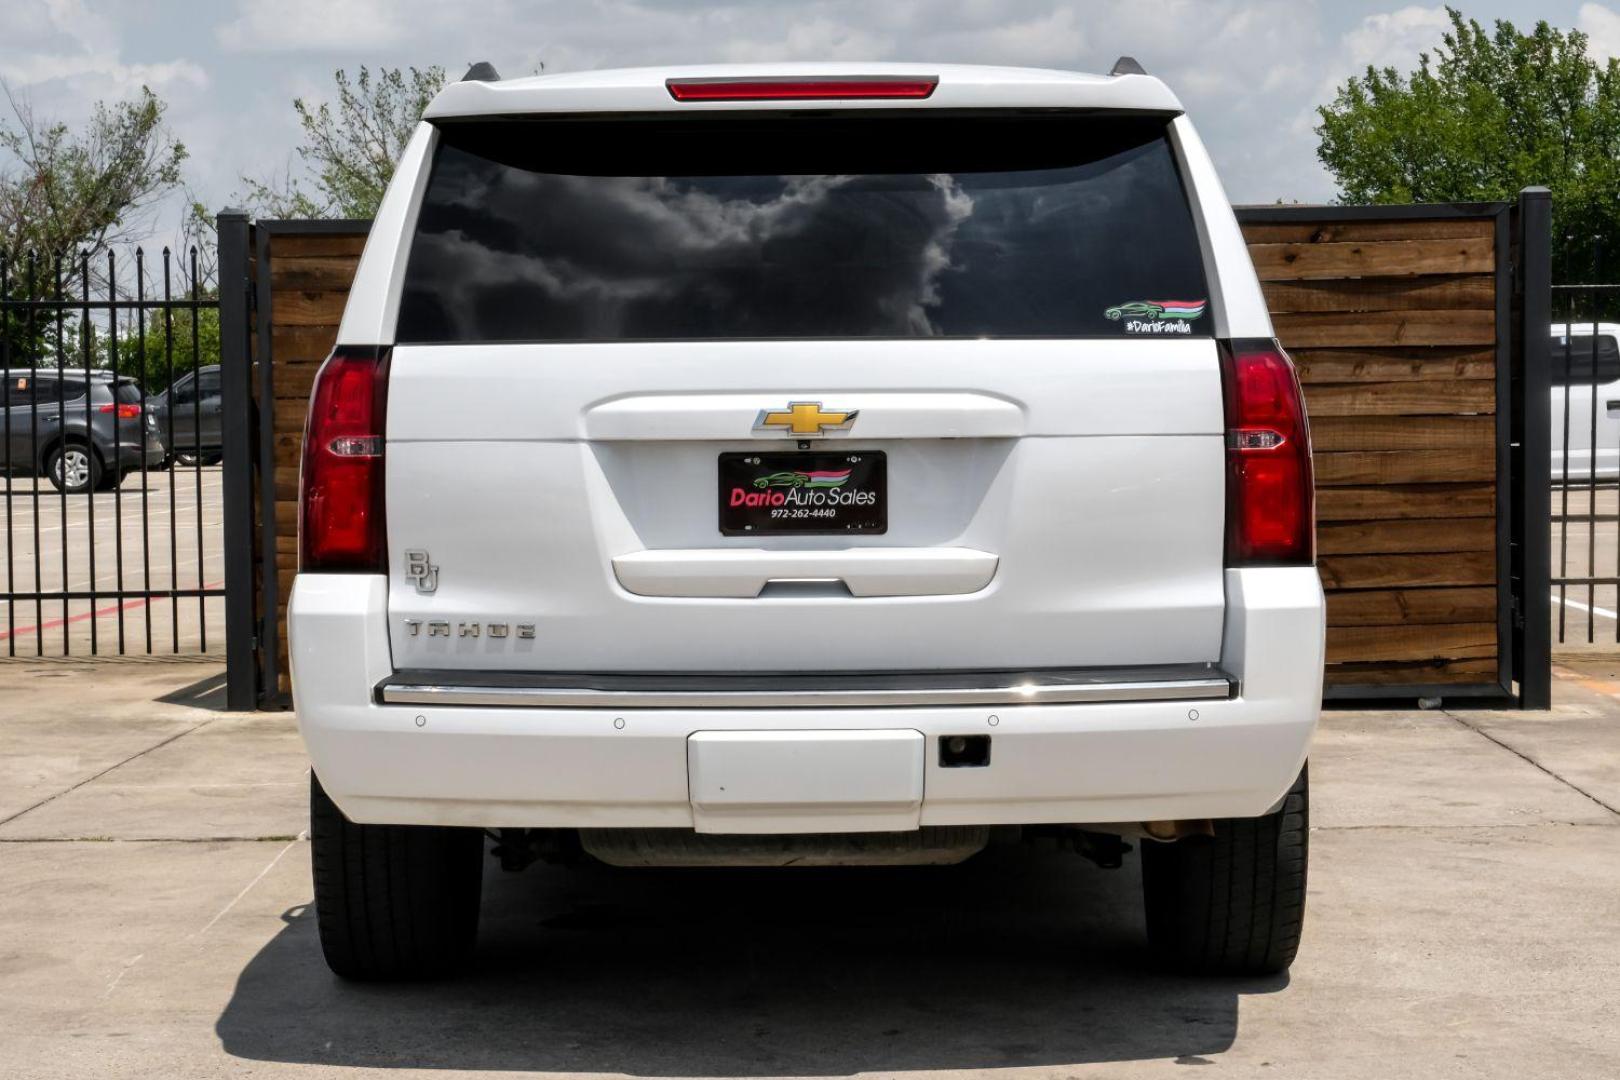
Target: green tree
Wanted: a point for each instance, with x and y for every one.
(72, 191)
(349, 152)
(166, 350)
(166, 342)
(1482, 117)
(66, 197)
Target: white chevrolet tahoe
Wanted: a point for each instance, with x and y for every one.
(811, 465)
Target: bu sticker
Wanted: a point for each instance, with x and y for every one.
(1156, 316)
(421, 571)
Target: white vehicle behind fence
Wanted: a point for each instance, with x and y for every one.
(806, 465)
(1585, 364)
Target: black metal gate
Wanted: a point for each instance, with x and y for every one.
(115, 456)
(1585, 374)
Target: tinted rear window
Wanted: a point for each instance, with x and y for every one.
(25, 389)
(1581, 358)
(830, 227)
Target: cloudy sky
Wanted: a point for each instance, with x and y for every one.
(1249, 71)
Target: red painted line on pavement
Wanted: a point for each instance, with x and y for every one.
(110, 609)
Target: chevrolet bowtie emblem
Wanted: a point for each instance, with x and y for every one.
(803, 419)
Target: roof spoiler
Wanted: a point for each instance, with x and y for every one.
(1125, 65)
(484, 71)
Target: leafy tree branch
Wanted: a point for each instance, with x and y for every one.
(68, 192)
(1486, 114)
(350, 148)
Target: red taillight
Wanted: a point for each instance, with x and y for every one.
(125, 411)
(340, 505)
(1270, 497)
(803, 88)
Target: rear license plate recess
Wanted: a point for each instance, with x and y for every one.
(804, 493)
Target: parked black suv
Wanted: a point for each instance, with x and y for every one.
(193, 431)
(83, 433)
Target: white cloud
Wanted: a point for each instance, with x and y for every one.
(1053, 38)
(1385, 39)
(1602, 25)
(283, 25)
(65, 51)
(99, 76)
(819, 38)
(1395, 38)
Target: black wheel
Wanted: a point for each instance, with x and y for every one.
(73, 467)
(1232, 903)
(393, 901)
(186, 458)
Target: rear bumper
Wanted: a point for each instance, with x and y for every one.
(632, 764)
(132, 455)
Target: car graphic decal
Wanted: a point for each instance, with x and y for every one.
(1156, 309)
(813, 478)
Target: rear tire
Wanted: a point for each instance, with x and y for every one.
(73, 468)
(393, 901)
(1232, 903)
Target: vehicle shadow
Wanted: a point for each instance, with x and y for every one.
(206, 693)
(133, 488)
(1018, 958)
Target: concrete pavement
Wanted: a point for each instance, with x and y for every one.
(1464, 920)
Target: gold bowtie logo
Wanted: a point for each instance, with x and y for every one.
(804, 419)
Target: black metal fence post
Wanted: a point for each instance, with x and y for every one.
(270, 624)
(1532, 642)
(241, 652)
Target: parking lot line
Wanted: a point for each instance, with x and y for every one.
(110, 609)
(1578, 606)
(271, 865)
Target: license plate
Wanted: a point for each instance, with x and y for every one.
(804, 493)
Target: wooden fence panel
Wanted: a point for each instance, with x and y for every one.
(308, 284)
(1394, 326)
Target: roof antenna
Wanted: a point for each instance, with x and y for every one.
(484, 71)
(1126, 65)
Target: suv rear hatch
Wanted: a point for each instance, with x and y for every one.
(896, 391)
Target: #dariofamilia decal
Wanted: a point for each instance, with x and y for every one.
(1157, 316)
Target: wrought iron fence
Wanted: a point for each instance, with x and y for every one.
(111, 377)
(1585, 378)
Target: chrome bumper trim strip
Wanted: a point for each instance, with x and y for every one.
(1034, 691)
